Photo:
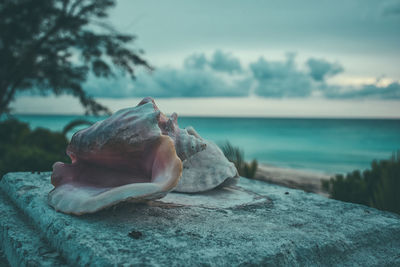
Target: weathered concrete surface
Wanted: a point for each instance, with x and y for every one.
(224, 198)
(294, 229)
(20, 242)
(3, 259)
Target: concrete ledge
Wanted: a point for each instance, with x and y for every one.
(3, 259)
(276, 226)
(21, 243)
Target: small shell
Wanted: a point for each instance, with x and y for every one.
(206, 169)
(204, 164)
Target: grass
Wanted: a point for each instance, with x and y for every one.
(236, 155)
(378, 187)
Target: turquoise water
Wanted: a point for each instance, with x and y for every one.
(327, 145)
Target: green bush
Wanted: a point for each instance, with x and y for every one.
(236, 155)
(22, 149)
(378, 187)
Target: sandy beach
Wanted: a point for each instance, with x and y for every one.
(308, 181)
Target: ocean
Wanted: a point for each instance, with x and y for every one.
(321, 145)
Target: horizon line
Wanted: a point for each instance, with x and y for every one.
(227, 116)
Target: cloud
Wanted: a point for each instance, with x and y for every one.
(118, 87)
(195, 61)
(320, 69)
(368, 91)
(225, 62)
(220, 61)
(280, 78)
(222, 75)
(391, 9)
(169, 82)
(199, 77)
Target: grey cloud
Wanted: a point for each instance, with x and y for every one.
(168, 82)
(225, 62)
(391, 9)
(320, 69)
(195, 61)
(391, 91)
(280, 79)
(118, 87)
(268, 79)
(220, 61)
(200, 77)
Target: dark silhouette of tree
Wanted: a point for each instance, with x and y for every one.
(52, 46)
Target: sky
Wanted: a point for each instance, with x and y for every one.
(255, 58)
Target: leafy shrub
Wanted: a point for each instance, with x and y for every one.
(378, 187)
(22, 149)
(236, 155)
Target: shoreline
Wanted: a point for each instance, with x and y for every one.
(308, 181)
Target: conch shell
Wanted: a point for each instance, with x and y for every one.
(125, 157)
(136, 154)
